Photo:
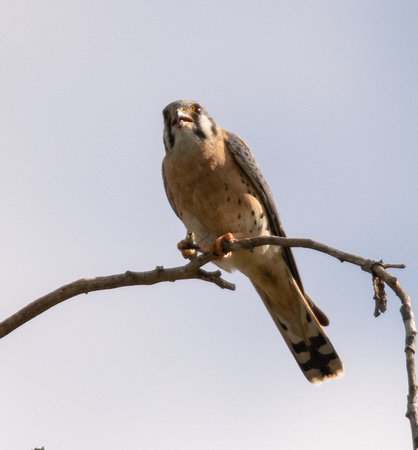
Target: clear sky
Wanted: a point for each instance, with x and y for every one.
(326, 95)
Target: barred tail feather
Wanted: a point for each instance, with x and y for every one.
(304, 336)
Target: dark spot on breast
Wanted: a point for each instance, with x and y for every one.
(255, 222)
(239, 216)
(247, 184)
(226, 186)
(239, 201)
(249, 191)
(308, 317)
(252, 212)
(228, 199)
(261, 215)
(242, 181)
(251, 230)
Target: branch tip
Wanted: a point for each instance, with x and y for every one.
(394, 266)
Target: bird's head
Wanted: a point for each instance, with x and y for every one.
(186, 124)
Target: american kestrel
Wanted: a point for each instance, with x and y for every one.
(216, 188)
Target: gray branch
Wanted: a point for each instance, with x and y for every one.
(380, 277)
(193, 270)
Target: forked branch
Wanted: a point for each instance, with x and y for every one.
(193, 270)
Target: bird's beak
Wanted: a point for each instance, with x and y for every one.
(180, 118)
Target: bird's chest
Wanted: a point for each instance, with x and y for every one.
(213, 196)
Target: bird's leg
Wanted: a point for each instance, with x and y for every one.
(188, 247)
(218, 248)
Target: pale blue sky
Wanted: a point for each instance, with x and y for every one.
(325, 94)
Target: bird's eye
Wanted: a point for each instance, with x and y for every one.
(196, 109)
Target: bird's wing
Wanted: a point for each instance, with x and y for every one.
(243, 156)
(245, 159)
(168, 191)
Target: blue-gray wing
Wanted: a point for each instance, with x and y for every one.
(243, 156)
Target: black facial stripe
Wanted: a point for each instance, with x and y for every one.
(165, 146)
(198, 130)
(214, 130)
(170, 136)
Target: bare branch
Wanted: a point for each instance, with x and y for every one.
(192, 270)
(380, 275)
(394, 266)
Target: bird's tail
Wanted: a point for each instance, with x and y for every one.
(303, 334)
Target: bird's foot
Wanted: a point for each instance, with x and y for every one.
(218, 247)
(187, 247)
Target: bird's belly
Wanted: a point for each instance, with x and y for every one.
(214, 214)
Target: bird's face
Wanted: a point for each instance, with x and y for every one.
(187, 124)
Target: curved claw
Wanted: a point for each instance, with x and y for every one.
(187, 247)
(217, 248)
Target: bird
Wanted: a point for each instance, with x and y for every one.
(216, 188)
